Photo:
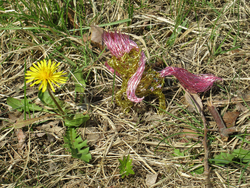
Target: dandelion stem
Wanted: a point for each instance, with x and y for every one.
(53, 98)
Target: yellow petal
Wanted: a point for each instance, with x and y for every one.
(51, 86)
(44, 73)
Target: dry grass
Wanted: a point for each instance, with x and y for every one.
(201, 36)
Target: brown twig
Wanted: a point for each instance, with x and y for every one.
(206, 149)
(224, 131)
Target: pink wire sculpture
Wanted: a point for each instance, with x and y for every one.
(120, 45)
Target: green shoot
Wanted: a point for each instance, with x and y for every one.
(126, 166)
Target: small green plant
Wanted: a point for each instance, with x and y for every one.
(76, 146)
(177, 153)
(198, 170)
(126, 166)
(238, 156)
(46, 75)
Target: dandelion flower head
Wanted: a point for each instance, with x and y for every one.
(44, 73)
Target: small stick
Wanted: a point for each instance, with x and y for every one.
(224, 131)
(206, 149)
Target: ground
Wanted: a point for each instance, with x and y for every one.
(168, 149)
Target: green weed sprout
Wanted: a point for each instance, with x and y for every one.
(126, 166)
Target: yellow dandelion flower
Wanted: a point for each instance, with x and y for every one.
(45, 74)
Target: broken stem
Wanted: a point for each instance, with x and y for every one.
(206, 150)
(224, 131)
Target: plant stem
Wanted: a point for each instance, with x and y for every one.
(53, 98)
(224, 131)
(24, 91)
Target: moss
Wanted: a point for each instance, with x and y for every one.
(150, 83)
